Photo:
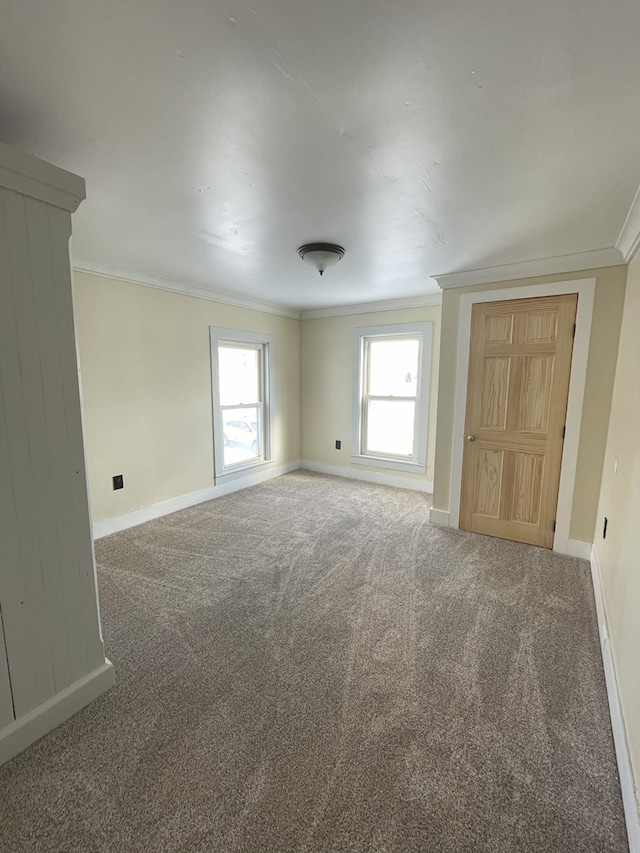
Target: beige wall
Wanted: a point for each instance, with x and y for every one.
(146, 381)
(603, 347)
(327, 385)
(619, 554)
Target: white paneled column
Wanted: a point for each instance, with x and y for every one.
(51, 653)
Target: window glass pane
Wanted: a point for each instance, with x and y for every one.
(393, 368)
(389, 427)
(238, 375)
(242, 435)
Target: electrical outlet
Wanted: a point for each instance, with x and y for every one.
(118, 482)
(338, 444)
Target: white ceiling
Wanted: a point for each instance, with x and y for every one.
(426, 136)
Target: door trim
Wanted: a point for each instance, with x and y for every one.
(585, 288)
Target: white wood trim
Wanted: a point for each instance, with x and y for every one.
(372, 307)
(30, 176)
(416, 485)
(31, 726)
(573, 421)
(391, 464)
(625, 769)
(439, 517)
(577, 548)
(50, 623)
(187, 288)
(22, 584)
(425, 330)
(629, 237)
(147, 513)
(585, 288)
(199, 291)
(216, 335)
(608, 257)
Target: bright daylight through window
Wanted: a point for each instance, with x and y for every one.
(240, 372)
(240, 378)
(390, 409)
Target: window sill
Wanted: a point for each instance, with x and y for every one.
(242, 470)
(393, 464)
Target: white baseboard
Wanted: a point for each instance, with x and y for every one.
(574, 548)
(27, 729)
(577, 548)
(625, 770)
(417, 485)
(148, 513)
(439, 517)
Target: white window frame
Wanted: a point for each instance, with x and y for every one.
(361, 336)
(219, 335)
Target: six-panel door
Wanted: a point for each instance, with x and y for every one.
(519, 366)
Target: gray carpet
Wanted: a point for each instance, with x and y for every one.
(310, 666)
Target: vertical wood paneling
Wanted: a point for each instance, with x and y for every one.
(10, 562)
(6, 701)
(49, 623)
(21, 385)
(60, 232)
(56, 513)
(12, 593)
(48, 595)
(32, 328)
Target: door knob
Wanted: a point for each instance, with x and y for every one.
(471, 438)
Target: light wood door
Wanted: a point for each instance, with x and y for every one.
(519, 366)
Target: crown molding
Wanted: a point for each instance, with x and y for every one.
(595, 259)
(629, 238)
(371, 307)
(184, 287)
(37, 179)
(190, 289)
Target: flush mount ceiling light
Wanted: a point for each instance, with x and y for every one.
(321, 255)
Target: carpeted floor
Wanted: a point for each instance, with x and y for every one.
(310, 666)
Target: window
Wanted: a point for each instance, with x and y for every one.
(391, 396)
(240, 370)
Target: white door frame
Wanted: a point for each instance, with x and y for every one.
(585, 288)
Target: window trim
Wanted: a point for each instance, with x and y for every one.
(401, 330)
(219, 335)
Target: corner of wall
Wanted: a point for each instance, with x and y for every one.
(619, 730)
